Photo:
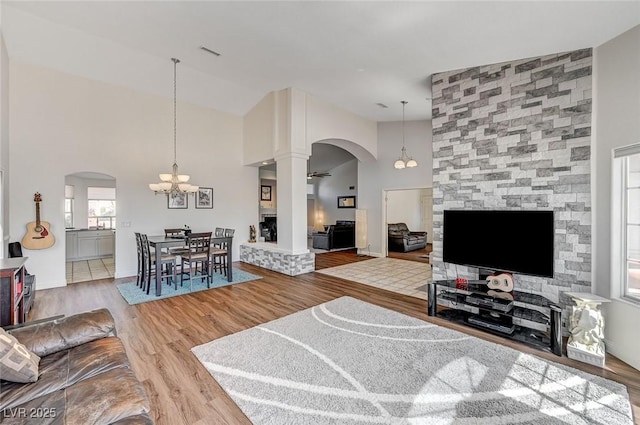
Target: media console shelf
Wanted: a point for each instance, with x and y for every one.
(12, 291)
(531, 319)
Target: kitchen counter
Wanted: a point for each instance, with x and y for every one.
(73, 229)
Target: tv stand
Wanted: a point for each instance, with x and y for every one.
(531, 319)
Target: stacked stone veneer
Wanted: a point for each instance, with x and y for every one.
(516, 136)
(277, 260)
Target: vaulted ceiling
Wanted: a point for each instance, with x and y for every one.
(352, 54)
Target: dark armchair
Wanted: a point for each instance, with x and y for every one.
(403, 240)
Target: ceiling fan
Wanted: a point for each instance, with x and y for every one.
(316, 174)
(312, 174)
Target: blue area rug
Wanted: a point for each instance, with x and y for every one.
(134, 295)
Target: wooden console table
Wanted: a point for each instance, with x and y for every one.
(12, 286)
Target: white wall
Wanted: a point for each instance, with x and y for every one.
(329, 188)
(61, 124)
(616, 111)
(4, 145)
(326, 121)
(376, 176)
(259, 128)
(404, 206)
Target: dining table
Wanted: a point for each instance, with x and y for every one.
(160, 242)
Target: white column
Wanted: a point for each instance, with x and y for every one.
(292, 202)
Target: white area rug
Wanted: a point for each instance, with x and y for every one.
(350, 362)
(402, 276)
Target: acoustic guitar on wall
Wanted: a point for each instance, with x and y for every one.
(38, 234)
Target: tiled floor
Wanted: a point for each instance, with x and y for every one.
(81, 271)
(405, 277)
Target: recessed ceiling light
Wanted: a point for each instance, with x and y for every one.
(265, 162)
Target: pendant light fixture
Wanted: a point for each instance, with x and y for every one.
(404, 161)
(173, 182)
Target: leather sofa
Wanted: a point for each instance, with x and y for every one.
(338, 236)
(84, 376)
(403, 240)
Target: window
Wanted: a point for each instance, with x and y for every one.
(102, 207)
(68, 206)
(628, 166)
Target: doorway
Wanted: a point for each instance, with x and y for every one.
(90, 222)
(414, 208)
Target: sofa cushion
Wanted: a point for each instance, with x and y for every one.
(102, 399)
(65, 368)
(17, 363)
(49, 337)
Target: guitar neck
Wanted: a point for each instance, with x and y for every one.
(38, 214)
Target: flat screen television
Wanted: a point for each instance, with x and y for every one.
(509, 241)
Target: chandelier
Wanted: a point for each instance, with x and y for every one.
(404, 161)
(173, 183)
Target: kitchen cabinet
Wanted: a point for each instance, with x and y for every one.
(89, 244)
(72, 244)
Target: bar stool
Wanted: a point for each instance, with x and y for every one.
(219, 252)
(149, 265)
(140, 273)
(199, 246)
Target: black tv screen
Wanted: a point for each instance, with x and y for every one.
(510, 241)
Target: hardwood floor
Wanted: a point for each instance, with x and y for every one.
(158, 335)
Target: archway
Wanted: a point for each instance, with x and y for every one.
(90, 222)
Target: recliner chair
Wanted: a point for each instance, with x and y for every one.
(403, 240)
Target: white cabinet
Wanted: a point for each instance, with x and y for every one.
(87, 247)
(90, 244)
(72, 244)
(105, 245)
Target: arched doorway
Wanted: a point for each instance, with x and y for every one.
(90, 222)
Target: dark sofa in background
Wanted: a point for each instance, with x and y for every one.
(403, 240)
(84, 375)
(338, 236)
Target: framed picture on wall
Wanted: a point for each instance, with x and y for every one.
(265, 193)
(204, 197)
(346, 201)
(177, 201)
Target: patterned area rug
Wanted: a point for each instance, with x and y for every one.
(350, 362)
(402, 276)
(134, 295)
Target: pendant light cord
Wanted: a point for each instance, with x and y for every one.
(175, 121)
(404, 102)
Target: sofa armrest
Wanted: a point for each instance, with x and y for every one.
(68, 332)
(418, 233)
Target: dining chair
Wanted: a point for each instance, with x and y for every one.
(219, 252)
(140, 273)
(175, 233)
(149, 265)
(199, 248)
(219, 232)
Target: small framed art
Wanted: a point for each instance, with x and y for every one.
(177, 201)
(204, 197)
(265, 193)
(346, 201)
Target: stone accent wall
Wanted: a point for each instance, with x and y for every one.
(517, 136)
(268, 257)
